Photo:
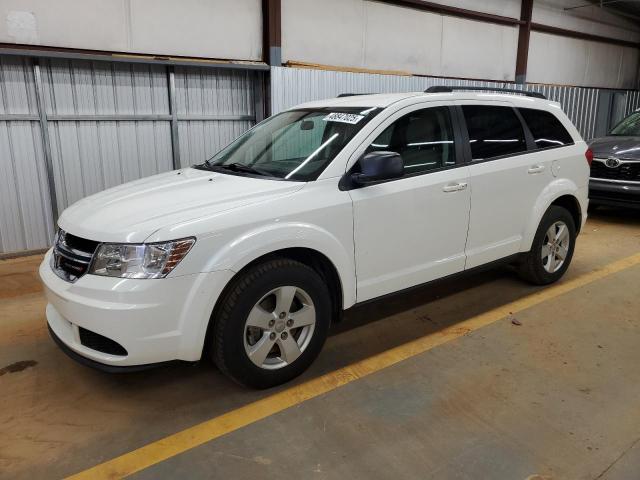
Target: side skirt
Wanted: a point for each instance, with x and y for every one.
(472, 271)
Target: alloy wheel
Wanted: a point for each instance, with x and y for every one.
(279, 327)
(555, 247)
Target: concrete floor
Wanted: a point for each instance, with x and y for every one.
(557, 397)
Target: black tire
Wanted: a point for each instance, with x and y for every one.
(228, 336)
(531, 267)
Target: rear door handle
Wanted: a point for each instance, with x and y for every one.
(454, 187)
(535, 169)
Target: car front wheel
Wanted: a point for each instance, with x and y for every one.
(272, 323)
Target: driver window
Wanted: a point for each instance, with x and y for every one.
(424, 139)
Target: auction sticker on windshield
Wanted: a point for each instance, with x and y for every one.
(351, 118)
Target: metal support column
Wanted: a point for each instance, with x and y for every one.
(173, 110)
(259, 92)
(524, 34)
(272, 32)
(46, 143)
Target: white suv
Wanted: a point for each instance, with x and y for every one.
(251, 255)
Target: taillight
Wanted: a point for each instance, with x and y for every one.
(589, 156)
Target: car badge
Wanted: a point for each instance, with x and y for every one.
(612, 162)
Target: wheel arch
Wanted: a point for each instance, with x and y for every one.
(570, 203)
(563, 193)
(314, 259)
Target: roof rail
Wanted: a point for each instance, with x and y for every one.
(352, 94)
(446, 89)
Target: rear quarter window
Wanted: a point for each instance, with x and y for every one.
(547, 130)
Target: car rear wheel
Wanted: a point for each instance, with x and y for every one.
(552, 248)
(272, 323)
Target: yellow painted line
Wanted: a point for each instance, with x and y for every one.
(204, 432)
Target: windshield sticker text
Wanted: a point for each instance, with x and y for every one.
(351, 118)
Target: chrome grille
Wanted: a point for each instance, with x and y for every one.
(626, 170)
(72, 256)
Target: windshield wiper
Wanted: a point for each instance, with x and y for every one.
(240, 167)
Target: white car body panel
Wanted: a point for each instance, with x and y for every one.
(502, 192)
(318, 217)
(133, 211)
(397, 246)
(380, 238)
(409, 232)
(153, 320)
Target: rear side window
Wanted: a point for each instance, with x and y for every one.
(546, 129)
(493, 131)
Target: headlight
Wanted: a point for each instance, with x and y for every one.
(143, 260)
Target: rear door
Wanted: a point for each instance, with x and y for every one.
(505, 178)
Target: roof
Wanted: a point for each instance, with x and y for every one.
(385, 99)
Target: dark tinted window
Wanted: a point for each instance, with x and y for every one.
(423, 138)
(546, 129)
(493, 131)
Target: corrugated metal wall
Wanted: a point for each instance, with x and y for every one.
(633, 101)
(25, 209)
(291, 86)
(107, 123)
(91, 154)
(214, 107)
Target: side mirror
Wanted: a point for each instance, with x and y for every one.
(378, 166)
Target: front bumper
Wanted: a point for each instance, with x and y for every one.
(155, 320)
(98, 365)
(618, 193)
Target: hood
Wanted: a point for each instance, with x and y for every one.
(621, 147)
(133, 211)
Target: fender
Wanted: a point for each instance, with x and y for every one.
(232, 255)
(553, 191)
(242, 250)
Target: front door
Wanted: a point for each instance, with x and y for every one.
(413, 229)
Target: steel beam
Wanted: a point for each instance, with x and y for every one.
(129, 118)
(73, 54)
(524, 33)
(46, 143)
(173, 110)
(259, 97)
(216, 118)
(502, 20)
(18, 117)
(455, 11)
(563, 32)
(272, 32)
(106, 118)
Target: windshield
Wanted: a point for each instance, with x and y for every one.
(293, 145)
(629, 127)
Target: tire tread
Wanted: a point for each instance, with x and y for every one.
(529, 269)
(231, 298)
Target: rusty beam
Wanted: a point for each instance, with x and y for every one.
(272, 32)
(454, 11)
(538, 27)
(502, 20)
(524, 33)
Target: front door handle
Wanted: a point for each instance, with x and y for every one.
(454, 187)
(536, 169)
